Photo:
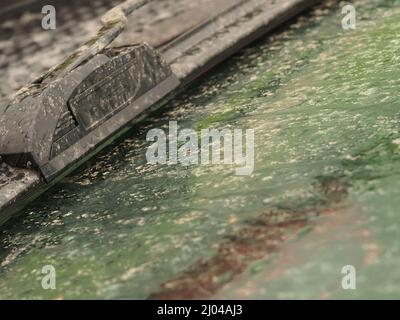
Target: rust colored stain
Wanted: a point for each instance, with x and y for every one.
(256, 240)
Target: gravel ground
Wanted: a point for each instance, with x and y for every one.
(26, 50)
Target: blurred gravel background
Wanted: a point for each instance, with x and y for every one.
(26, 50)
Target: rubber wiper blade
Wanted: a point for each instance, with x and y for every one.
(78, 107)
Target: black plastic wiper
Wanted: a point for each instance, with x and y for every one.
(74, 110)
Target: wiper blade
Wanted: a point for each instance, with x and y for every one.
(78, 107)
